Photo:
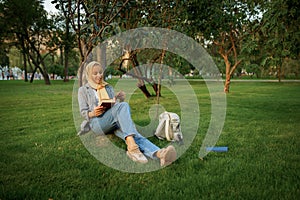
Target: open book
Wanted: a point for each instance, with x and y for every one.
(107, 103)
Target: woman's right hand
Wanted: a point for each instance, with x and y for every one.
(99, 110)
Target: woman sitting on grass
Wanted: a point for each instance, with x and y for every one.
(102, 120)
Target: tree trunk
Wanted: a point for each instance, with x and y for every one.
(86, 56)
(171, 76)
(227, 75)
(144, 90)
(32, 76)
(25, 67)
(157, 89)
(66, 65)
(101, 55)
(66, 70)
(80, 74)
(141, 82)
(44, 73)
(46, 76)
(279, 72)
(67, 50)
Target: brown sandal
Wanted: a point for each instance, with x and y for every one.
(167, 155)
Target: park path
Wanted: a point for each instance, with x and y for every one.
(248, 80)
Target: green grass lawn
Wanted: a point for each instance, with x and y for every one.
(43, 158)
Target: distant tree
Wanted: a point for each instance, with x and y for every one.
(94, 21)
(222, 24)
(280, 28)
(4, 59)
(64, 39)
(90, 21)
(165, 14)
(27, 28)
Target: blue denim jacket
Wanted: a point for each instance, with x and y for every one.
(87, 102)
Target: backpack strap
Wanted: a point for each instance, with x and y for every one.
(159, 129)
(167, 125)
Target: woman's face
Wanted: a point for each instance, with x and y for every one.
(97, 74)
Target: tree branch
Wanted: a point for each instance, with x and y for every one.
(131, 74)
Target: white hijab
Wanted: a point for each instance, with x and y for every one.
(100, 88)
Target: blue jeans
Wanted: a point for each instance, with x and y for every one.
(118, 119)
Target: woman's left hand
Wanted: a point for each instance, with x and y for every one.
(121, 96)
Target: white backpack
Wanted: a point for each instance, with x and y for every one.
(169, 127)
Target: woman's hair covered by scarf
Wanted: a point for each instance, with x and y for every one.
(87, 74)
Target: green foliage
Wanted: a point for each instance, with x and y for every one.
(56, 69)
(262, 30)
(4, 59)
(42, 158)
(212, 18)
(27, 28)
(276, 36)
(281, 27)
